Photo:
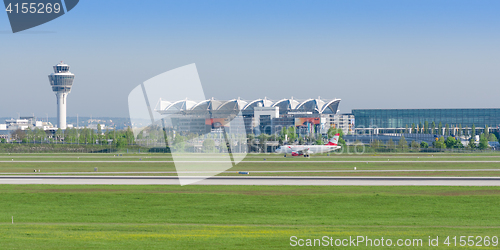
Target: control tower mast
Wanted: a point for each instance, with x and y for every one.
(61, 81)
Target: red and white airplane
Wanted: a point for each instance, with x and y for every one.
(306, 150)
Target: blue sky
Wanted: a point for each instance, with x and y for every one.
(371, 54)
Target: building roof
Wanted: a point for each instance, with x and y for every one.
(285, 105)
(258, 103)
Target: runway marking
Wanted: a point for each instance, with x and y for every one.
(256, 180)
(21, 179)
(244, 162)
(271, 171)
(256, 177)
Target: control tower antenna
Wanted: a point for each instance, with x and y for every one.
(61, 81)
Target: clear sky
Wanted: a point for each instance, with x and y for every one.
(371, 54)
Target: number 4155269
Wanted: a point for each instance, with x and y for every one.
(477, 241)
(39, 8)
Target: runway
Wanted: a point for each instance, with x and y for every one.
(245, 162)
(253, 180)
(261, 171)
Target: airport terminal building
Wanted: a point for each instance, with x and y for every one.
(310, 116)
(396, 120)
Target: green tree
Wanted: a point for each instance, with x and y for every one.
(483, 142)
(450, 142)
(420, 128)
(18, 135)
(129, 135)
(472, 142)
(59, 134)
(68, 135)
(424, 144)
(301, 141)
(99, 133)
(121, 142)
(473, 131)
(91, 137)
(29, 135)
(459, 133)
(406, 129)
(83, 135)
(390, 144)
(440, 129)
(375, 144)
(403, 144)
(250, 137)
(414, 145)
(263, 138)
(447, 129)
(292, 134)
(426, 127)
(433, 127)
(319, 142)
(412, 128)
(283, 136)
(40, 135)
(439, 144)
(179, 143)
(492, 137)
(486, 131)
(208, 145)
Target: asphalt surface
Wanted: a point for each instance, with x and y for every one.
(259, 171)
(270, 161)
(253, 180)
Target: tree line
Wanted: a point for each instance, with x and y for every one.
(118, 138)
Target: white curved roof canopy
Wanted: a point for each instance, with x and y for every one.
(285, 105)
(235, 104)
(331, 105)
(207, 105)
(201, 106)
(162, 105)
(312, 105)
(264, 102)
(182, 105)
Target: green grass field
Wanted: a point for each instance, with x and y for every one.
(488, 164)
(488, 169)
(229, 217)
(244, 217)
(493, 156)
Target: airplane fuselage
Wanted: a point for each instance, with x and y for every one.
(297, 150)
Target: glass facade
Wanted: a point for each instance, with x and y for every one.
(62, 79)
(61, 68)
(400, 118)
(61, 82)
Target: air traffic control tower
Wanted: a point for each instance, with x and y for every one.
(61, 81)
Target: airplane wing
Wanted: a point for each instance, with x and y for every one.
(303, 151)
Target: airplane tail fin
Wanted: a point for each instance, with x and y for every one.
(334, 141)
